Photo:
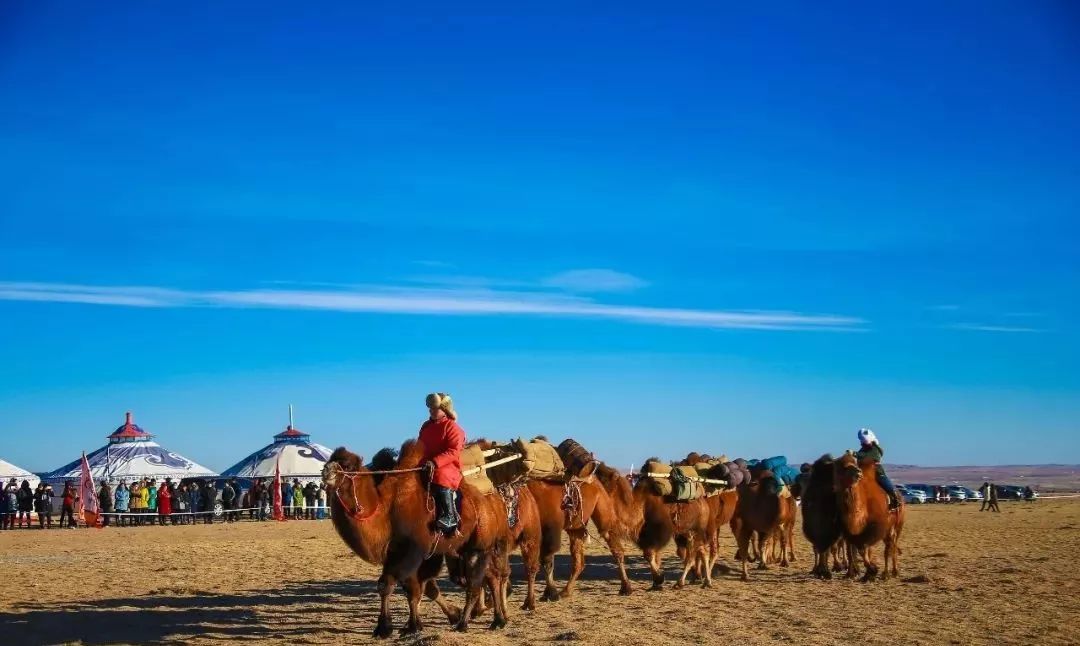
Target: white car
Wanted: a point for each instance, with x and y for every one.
(912, 496)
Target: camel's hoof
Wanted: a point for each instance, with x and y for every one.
(625, 590)
(477, 611)
(497, 624)
(384, 628)
(656, 586)
(411, 628)
(454, 617)
(550, 594)
(529, 605)
(706, 584)
(783, 563)
(762, 566)
(462, 627)
(566, 593)
(679, 585)
(745, 577)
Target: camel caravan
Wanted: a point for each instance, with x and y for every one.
(444, 507)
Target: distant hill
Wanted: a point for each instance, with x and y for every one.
(1041, 477)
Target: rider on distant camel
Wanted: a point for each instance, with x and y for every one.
(443, 441)
(871, 450)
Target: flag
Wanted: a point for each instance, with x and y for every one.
(88, 495)
(279, 509)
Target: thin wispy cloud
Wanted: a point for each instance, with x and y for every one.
(976, 327)
(591, 281)
(390, 299)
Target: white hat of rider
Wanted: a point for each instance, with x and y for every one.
(866, 436)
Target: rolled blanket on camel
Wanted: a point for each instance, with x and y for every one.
(579, 462)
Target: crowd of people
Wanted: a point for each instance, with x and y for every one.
(146, 502)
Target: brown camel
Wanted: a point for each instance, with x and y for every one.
(652, 523)
(761, 509)
(369, 535)
(865, 517)
(588, 500)
(821, 519)
(482, 539)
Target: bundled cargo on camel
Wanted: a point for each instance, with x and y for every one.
(681, 483)
(472, 471)
(579, 462)
(538, 461)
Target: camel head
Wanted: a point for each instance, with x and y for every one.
(769, 484)
(846, 471)
(341, 460)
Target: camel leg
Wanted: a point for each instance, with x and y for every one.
(384, 627)
(614, 543)
(413, 590)
(702, 557)
(475, 566)
(743, 551)
(550, 542)
(853, 554)
(652, 558)
(683, 551)
(782, 539)
(530, 555)
(499, 576)
(869, 564)
(452, 612)
(577, 557)
(761, 538)
(791, 542)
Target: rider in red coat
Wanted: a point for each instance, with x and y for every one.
(443, 441)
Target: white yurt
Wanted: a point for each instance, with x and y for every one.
(131, 454)
(292, 449)
(9, 471)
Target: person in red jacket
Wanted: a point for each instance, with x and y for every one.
(164, 501)
(443, 441)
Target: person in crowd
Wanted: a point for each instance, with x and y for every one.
(11, 503)
(5, 507)
(286, 497)
(208, 501)
(298, 500)
(148, 492)
(322, 500)
(985, 491)
(193, 501)
(67, 505)
(1029, 494)
(152, 500)
(25, 499)
(122, 503)
(164, 501)
(135, 504)
(105, 502)
(228, 500)
(870, 449)
(994, 498)
(311, 495)
(43, 505)
(443, 441)
(180, 502)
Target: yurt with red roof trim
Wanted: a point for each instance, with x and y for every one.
(293, 449)
(131, 454)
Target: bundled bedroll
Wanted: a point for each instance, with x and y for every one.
(472, 456)
(541, 461)
(579, 462)
(662, 486)
(685, 485)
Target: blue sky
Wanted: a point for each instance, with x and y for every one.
(730, 229)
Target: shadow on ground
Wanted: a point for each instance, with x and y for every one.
(289, 613)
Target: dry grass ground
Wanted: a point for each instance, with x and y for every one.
(970, 578)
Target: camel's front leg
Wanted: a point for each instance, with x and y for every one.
(413, 592)
(652, 559)
(577, 556)
(384, 627)
(761, 539)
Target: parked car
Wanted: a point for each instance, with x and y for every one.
(926, 490)
(1010, 492)
(973, 495)
(912, 496)
(957, 493)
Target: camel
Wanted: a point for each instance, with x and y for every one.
(762, 510)
(821, 521)
(482, 539)
(589, 501)
(369, 537)
(865, 517)
(651, 523)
